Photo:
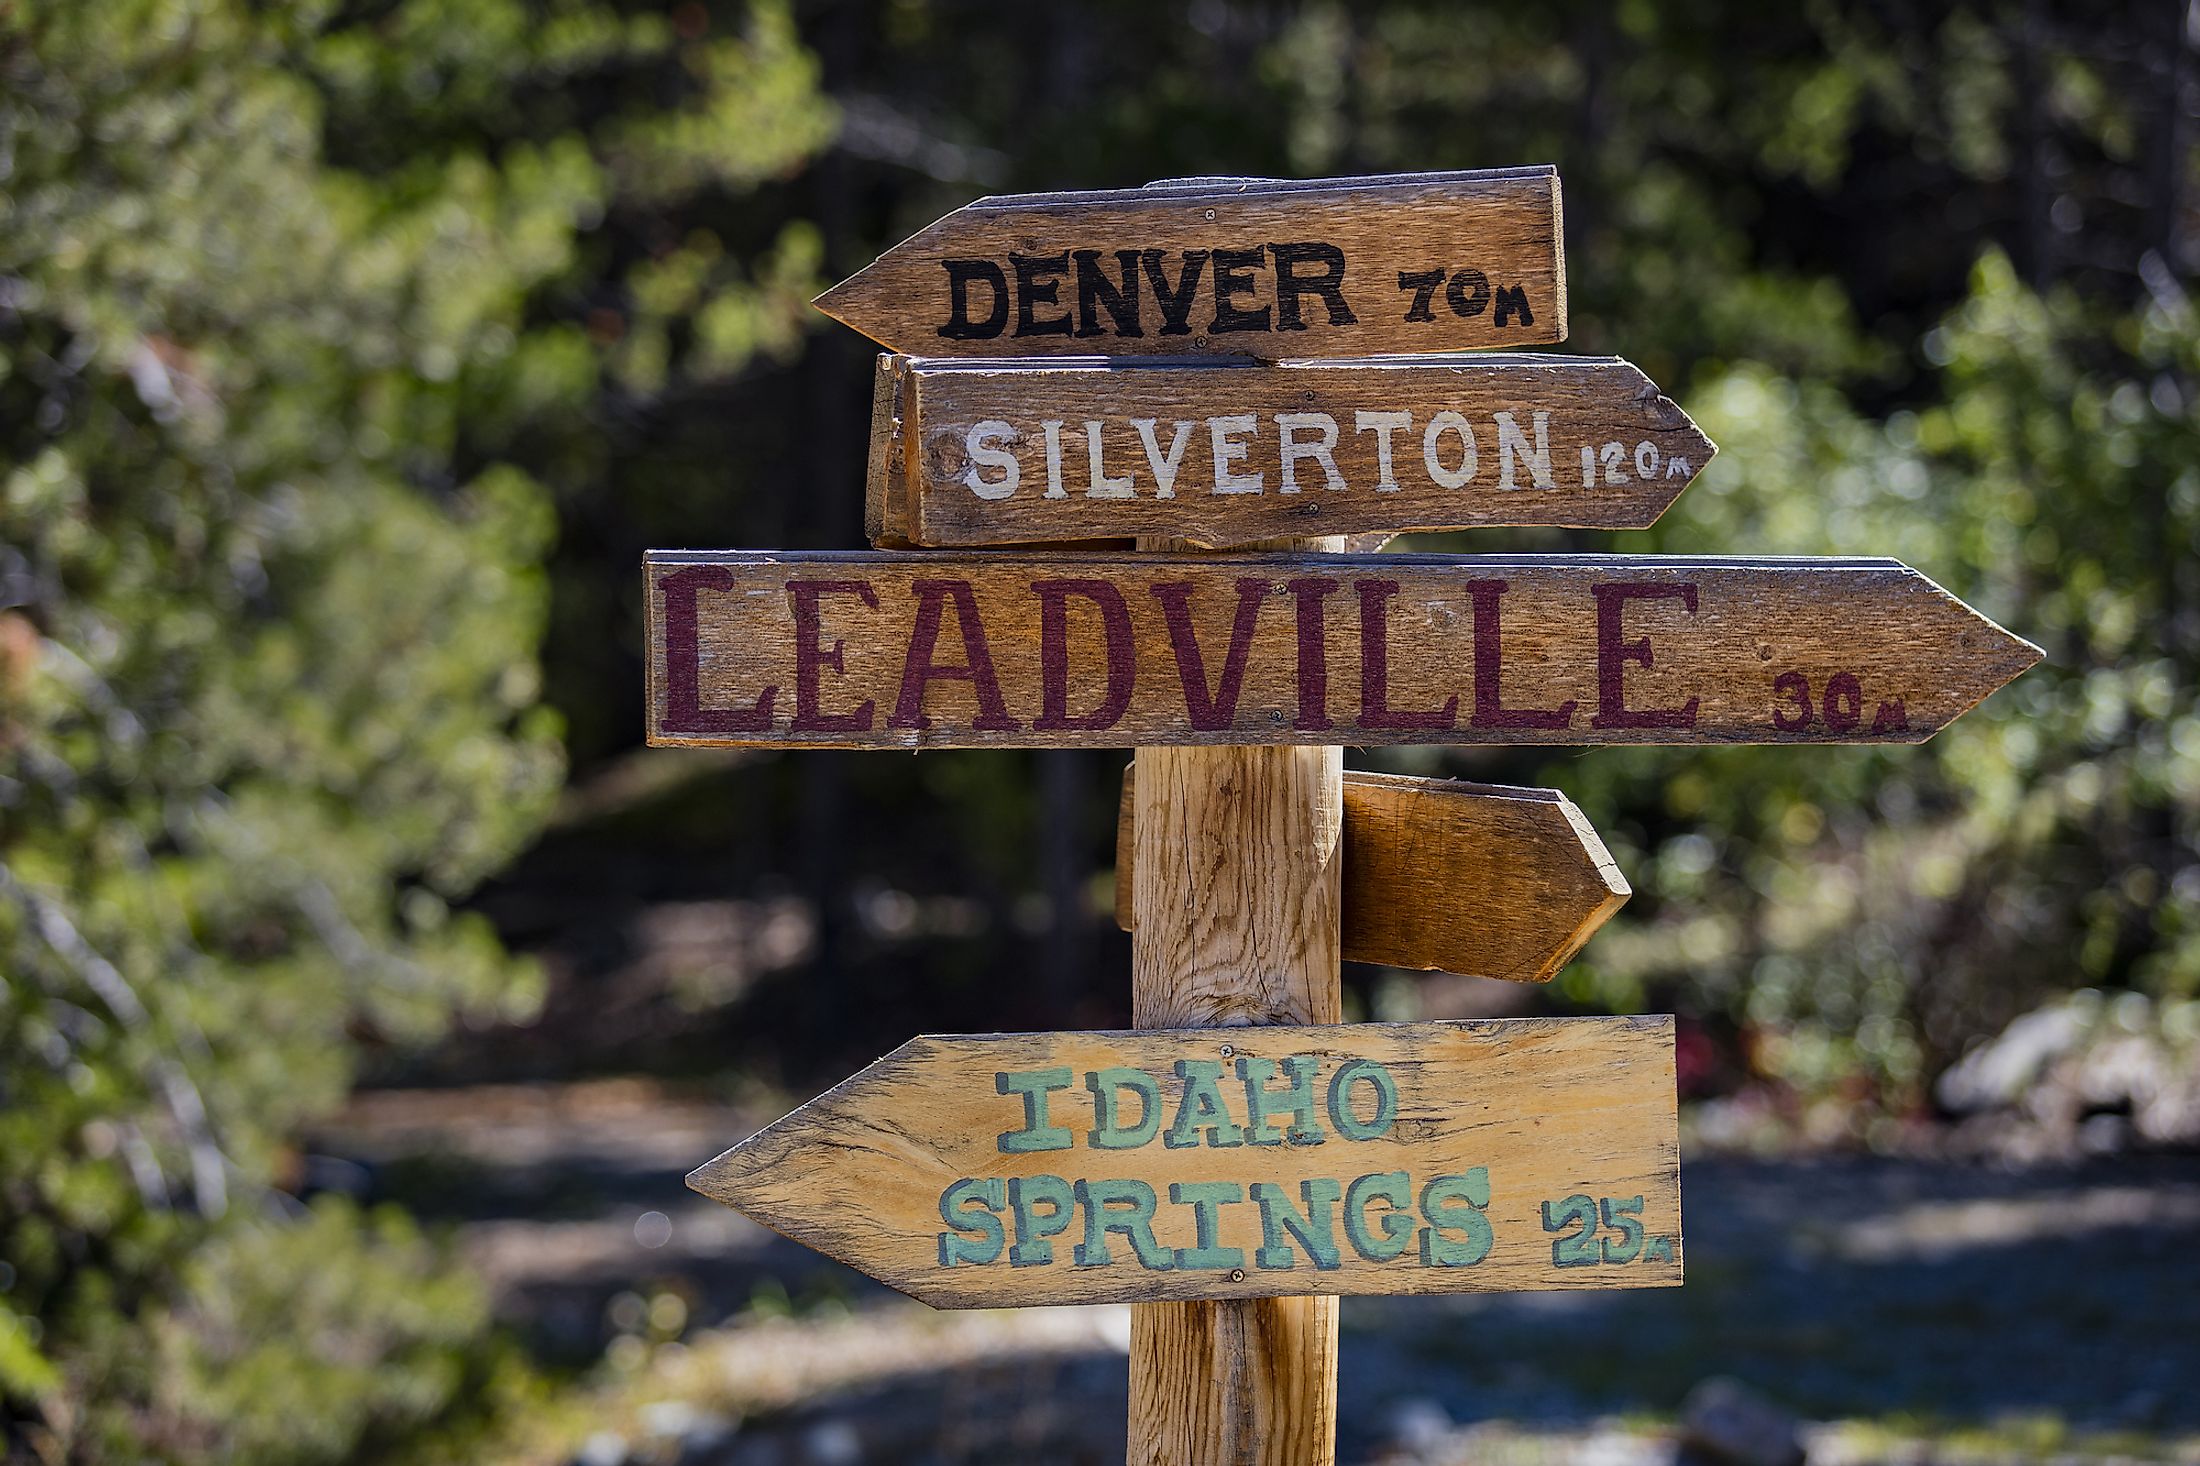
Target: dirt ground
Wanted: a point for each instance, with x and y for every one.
(1894, 1309)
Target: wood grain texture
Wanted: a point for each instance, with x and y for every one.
(1228, 267)
(1243, 893)
(1545, 1109)
(884, 462)
(939, 650)
(1484, 880)
(998, 453)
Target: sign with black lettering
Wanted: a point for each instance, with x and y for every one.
(1227, 267)
(997, 453)
(881, 650)
(1022, 1169)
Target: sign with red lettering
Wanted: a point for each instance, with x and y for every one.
(1022, 1169)
(881, 650)
(995, 453)
(1227, 267)
(1542, 881)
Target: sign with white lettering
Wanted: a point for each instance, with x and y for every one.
(993, 453)
(1227, 267)
(875, 650)
(1023, 1169)
(1486, 880)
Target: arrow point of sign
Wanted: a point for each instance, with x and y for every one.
(836, 301)
(1993, 654)
(859, 302)
(1663, 415)
(1546, 880)
(1663, 412)
(720, 1178)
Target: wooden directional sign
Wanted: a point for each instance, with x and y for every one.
(1228, 267)
(870, 650)
(987, 453)
(1485, 880)
(1020, 1169)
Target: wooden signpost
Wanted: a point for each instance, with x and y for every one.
(986, 453)
(1244, 1158)
(1441, 875)
(1017, 1169)
(873, 650)
(1228, 267)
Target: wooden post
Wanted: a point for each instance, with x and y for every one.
(1236, 885)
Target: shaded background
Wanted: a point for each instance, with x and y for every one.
(352, 353)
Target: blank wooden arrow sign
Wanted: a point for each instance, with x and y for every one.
(1227, 267)
(989, 453)
(1485, 880)
(1020, 1169)
(869, 650)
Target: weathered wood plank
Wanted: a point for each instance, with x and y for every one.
(1241, 887)
(1243, 884)
(1018, 1169)
(1484, 880)
(1035, 650)
(1239, 267)
(998, 453)
(885, 513)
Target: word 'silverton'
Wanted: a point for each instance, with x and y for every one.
(976, 453)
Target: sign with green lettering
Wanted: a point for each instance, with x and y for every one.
(1021, 1169)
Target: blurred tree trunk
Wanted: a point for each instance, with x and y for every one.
(832, 487)
(1062, 775)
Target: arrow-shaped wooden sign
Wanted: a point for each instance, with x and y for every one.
(1485, 880)
(1022, 1169)
(1227, 267)
(992, 453)
(871, 650)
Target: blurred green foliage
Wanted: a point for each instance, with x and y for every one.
(278, 286)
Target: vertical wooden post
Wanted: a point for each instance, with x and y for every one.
(1236, 884)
